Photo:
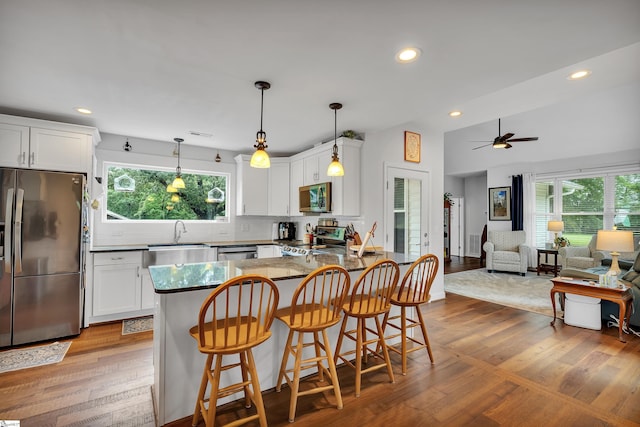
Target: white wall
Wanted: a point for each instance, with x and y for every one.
(387, 147)
(476, 208)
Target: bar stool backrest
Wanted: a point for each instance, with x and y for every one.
(243, 309)
(416, 283)
(317, 302)
(371, 294)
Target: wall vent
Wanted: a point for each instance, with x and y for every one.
(474, 245)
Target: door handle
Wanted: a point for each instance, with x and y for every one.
(8, 218)
(18, 230)
(32, 158)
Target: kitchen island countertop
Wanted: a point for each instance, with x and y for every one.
(206, 275)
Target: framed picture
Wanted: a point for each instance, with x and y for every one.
(500, 204)
(412, 147)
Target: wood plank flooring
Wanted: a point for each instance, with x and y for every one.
(494, 366)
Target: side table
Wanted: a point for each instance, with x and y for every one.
(545, 267)
(621, 296)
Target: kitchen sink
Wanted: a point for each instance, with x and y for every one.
(178, 253)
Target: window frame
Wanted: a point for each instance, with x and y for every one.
(105, 173)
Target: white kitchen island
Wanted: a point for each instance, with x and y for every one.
(180, 291)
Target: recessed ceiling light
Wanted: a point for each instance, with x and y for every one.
(83, 110)
(579, 75)
(455, 113)
(408, 54)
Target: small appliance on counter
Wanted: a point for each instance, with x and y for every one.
(286, 231)
(330, 235)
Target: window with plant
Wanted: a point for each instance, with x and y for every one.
(144, 194)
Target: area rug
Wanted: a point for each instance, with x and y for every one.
(531, 292)
(13, 360)
(134, 326)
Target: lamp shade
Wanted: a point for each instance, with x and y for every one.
(615, 241)
(556, 226)
(260, 159)
(178, 183)
(335, 169)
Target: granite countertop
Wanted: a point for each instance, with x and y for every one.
(189, 277)
(145, 246)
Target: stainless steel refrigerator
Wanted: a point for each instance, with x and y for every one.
(41, 256)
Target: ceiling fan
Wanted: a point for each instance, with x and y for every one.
(505, 140)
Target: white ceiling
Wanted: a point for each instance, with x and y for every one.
(159, 69)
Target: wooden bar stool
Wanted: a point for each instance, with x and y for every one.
(412, 292)
(235, 317)
(315, 306)
(370, 297)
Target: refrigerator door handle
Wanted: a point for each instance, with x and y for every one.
(8, 218)
(18, 230)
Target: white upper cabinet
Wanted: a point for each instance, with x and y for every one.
(61, 151)
(14, 141)
(38, 144)
(278, 195)
(252, 191)
(296, 181)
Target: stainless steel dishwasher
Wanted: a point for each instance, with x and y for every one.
(229, 253)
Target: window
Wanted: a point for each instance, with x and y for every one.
(140, 194)
(587, 204)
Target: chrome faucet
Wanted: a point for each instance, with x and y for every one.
(176, 232)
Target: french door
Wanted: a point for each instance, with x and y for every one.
(406, 204)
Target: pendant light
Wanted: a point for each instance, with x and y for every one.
(335, 168)
(178, 182)
(260, 158)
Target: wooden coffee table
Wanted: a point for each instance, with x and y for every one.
(620, 296)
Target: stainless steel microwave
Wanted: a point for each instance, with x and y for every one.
(315, 198)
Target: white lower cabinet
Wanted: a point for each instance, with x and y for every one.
(120, 288)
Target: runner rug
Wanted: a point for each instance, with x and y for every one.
(531, 292)
(13, 360)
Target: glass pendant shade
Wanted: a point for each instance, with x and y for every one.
(178, 183)
(171, 189)
(335, 168)
(175, 198)
(260, 159)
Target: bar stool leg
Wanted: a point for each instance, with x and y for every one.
(359, 355)
(203, 388)
(285, 359)
(403, 337)
(255, 384)
(424, 334)
(332, 369)
(385, 351)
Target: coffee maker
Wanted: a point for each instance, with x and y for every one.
(286, 231)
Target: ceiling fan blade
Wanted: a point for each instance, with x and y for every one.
(508, 146)
(533, 138)
(505, 136)
(482, 146)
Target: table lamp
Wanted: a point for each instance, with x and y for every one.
(616, 242)
(556, 227)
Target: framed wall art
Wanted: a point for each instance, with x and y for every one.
(412, 147)
(500, 204)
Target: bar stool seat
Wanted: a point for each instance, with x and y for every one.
(241, 311)
(412, 292)
(315, 306)
(370, 298)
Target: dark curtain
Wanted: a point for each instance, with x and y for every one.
(517, 203)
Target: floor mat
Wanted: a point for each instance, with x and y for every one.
(134, 326)
(13, 360)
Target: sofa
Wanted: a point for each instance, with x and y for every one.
(630, 273)
(506, 251)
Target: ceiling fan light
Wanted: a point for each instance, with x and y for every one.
(260, 159)
(501, 144)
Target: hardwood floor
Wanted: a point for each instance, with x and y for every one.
(494, 365)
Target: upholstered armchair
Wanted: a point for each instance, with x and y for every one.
(506, 251)
(581, 257)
